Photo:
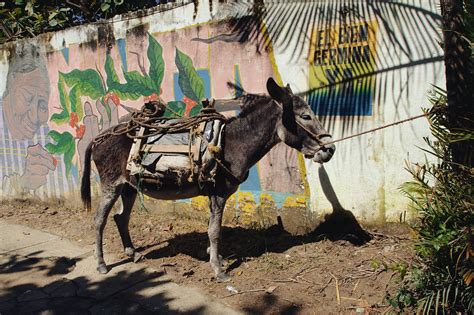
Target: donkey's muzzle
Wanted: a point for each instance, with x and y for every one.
(326, 151)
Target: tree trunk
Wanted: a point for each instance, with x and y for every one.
(459, 78)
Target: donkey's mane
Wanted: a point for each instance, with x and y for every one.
(250, 103)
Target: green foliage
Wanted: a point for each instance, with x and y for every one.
(28, 18)
(157, 64)
(75, 99)
(88, 82)
(189, 81)
(142, 84)
(195, 110)
(175, 109)
(442, 194)
(63, 116)
(64, 145)
(123, 91)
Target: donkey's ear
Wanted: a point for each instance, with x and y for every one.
(278, 93)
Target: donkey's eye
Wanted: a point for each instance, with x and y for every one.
(305, 116)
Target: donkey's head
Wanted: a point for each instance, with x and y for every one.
(299, 128)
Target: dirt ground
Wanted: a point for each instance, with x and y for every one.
(335, 267)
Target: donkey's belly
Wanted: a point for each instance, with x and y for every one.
(171, 193)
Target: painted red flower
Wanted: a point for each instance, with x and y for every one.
(189, 102)
(153, 97)
(73, 119)
(80, 130)
(55, 162)
(112, 96)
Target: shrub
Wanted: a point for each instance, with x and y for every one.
(442, 195)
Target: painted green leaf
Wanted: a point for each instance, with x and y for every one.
(62, 141)
(175, 109)
(63, 99)
(123, 91)
(157, 64)
(64, 145)
(195, 110)
(53, 134)
(51, 148)
(68, 156)
(139, 83)
(76, 105)
(60, 118)
(88, 82)
(189, 81)
(112, 78)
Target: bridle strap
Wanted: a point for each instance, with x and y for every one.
(316, 137)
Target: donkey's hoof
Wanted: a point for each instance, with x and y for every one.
(102, 269)
(223, 277)
(137, 257)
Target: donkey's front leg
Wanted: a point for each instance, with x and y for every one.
(215, 221)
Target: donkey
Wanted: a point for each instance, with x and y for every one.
(263, 122)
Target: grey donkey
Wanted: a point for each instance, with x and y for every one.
(263, 122)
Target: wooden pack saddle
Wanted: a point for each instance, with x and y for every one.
(186, 155)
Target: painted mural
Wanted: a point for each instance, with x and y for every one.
(25, 163)
(56, 103)
(342, 64)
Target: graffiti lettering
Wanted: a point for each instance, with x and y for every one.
(337, 55)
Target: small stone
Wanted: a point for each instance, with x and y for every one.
(232, 289)
(271, 289)
(360, 310)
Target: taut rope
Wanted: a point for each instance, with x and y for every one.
(318, 137)
(378, 128)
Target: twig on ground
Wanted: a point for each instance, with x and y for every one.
(168, 265)
(244, 292)
(355, 286)
(388, 309)
(352, 299)
(305, 280)
(390, 236)
(325, 286)
(287, 280)
(299, 272)
(337, 289)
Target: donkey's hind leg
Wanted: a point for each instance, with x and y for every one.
(122, 218)
(110, 194)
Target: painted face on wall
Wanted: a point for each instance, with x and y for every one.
(25, 104)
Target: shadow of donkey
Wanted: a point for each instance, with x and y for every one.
(243, 242)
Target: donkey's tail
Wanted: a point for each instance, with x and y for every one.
(86, 178)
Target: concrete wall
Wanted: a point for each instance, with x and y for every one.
(360, 64)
